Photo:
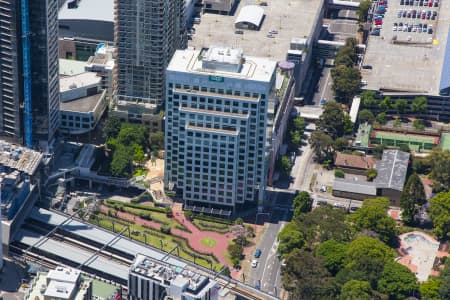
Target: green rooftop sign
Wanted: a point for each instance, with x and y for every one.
(216, 78)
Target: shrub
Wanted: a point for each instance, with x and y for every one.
(338, 173)
(165, 229)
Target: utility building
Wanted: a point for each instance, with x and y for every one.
(29, 86)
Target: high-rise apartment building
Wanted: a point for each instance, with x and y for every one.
(29, 87)
(220, 110)
(153, 279)
(147, 34)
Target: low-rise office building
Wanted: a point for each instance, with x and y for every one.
(154, 279)
(83, 102)
(60, 284)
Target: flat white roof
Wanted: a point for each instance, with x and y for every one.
(59, 290)
(64, 274)
(253, 68)
(70, 67)
(250, 14)
(78, 81)
(96, 10)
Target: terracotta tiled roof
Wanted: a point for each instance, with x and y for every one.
(354, 161)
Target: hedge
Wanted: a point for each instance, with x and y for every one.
(138, 206)
(212, 219)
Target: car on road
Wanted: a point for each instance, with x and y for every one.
(323, 101)
(292, 158)
(323, 188)
(257, 253)
(321, 202)
(254, 263)
(367, 67)
(338, 205)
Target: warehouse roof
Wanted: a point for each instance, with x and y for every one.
(392, 169)
(356, 187)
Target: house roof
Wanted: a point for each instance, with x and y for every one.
(354, 161)
(356, 187)
(392, 169)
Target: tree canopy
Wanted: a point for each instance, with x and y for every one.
(397, 281)
(365, 115)
(419, 105)
(111, 128)
(373, 216)
(429, 290)
(440, 214)
(413, 196)
(346, 82)
(322, 145)
(439, 161)
(334, 254)
(302, 204)
(332, 120)
(356, 290)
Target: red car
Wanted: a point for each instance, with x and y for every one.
(378, 22)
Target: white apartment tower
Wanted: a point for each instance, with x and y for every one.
(219, 117)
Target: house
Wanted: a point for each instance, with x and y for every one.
(392, 170)
(354, 164)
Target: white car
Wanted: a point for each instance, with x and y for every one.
(254, 263)
(323, 188)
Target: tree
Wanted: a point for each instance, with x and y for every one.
(356, 290)
(378, 151)
(299, 124)
(138, 154)
(368, 99)
(429, 290)
(156, 140)
(381, 118)
(290, 238)
(363, 10)
(397, 281)
(325, 223)
(305, 276)
(322, 145)
(373, 216)
(385, 104)
(365, 115)
(398, 122)
(235, 251)
(371, 174)
(340, 144)
(419, 105)
(444, 287)
(413, 195)
(111, 128)
(419, 125)
(250, 231)
(302, 204)
(332, 120)
(368, 256)
(334, 254)
(404, 147)
(401, 105)
(284, 164)
(439, 161)
(131, 134)
(440, 214)
(348, 125)
(121, 162)
(346, 82)
(296, 138)
(189, 215)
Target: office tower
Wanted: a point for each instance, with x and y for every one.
(29, 87)
(219, 122)
(153, 279)
(147, 34)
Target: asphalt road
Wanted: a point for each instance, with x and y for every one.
(266, 275)
(324, 85)
(303, 167)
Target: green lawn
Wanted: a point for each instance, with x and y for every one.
(155, 239)
(208, 242)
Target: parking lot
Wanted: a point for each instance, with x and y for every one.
(404, 57)
(408, 20)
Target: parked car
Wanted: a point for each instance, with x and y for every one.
(321, 202)
(367, 67)
(323, 188)
(323, 101)
(254, 263)
(354, 208)
(257, 253)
